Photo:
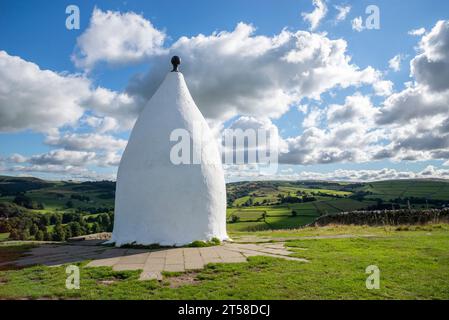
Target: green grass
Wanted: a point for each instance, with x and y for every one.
(4, 236)
(414, 264)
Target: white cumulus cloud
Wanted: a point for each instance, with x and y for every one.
(343, 11)
(317, 15)
(395, 62)
(357, 24)
(117, 38)
(417, 32)
(32, 98)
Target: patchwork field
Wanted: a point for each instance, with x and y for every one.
(264, 205)
(252, 206)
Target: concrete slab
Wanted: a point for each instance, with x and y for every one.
(104, 262)
(135, 258)
(150, 275)
(129, 266)
(174, 267)
(153, 267)
(193, 265)
(154, 262)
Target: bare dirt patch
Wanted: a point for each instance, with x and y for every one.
(189, 278)
(106, 282)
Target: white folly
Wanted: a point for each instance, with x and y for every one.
(161, 202)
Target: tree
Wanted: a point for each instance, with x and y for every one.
(39, 235)
(235, 219)
(59, 233)
(24, 201)
(104, 221)
(14, 234)
(47, 236)
(55, 219)
(68, 231)
(69, 204)
(34, 229)
(44, 220)
(95, 228)
(111, 222)
(4, 226)
(24, 234)
(75, 229)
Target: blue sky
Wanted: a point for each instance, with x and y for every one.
(36, 33)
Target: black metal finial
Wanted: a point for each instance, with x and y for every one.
(175, 61)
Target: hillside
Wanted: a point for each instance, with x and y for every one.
(278, 204)
(252, 206)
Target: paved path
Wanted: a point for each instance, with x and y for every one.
(152, 262)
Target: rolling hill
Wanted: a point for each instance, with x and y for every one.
(252, 206)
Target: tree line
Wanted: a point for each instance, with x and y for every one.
(22, 225)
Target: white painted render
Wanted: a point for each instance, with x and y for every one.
(158, 202)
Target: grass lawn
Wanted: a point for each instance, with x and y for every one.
(413, 261)
(4, 236)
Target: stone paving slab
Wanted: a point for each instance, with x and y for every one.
(150, 275)
(127, 266)
(104, 262)
(153, 262)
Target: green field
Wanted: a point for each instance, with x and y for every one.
(413, 263)
(249, 200)
(409, 188)
(4, 236)
(252, 206)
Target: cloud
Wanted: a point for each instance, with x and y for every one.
(63, 157)
(101, 124)
(429, 95)
(41, 100)
(117, 38)
(86, 141)
(412, 103)
(431, 67)
(248, 173)
(383, 88)
(17, 158)
(319, 13)
(343, 11)
(258, 126)
(395, 62)
(44, 101)
(344, 143)
(416, 119)
(239, 73)
(116, 109)
(312, 118)
(356, 109)
(346, 133)
(357, 24)
(417, 32)
(58, 172)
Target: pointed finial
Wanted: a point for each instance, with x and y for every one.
(175, 61)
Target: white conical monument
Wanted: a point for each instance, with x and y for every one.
(161, 202)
